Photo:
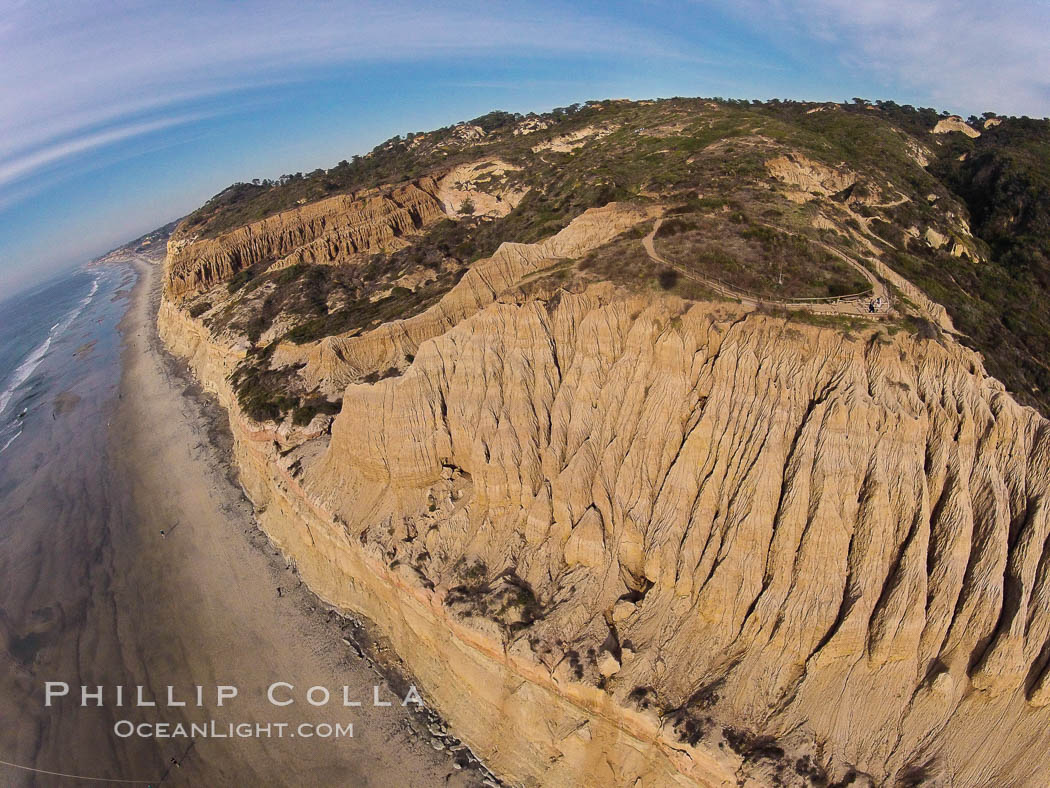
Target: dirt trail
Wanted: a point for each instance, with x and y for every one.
(850, 305)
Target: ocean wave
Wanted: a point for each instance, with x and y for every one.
(10, 440)
(32, 361)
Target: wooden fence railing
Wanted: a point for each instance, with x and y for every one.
(730, 289)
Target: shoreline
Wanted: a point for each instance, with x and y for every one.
(293, 627)
(62, 522)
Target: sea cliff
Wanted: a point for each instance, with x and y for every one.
(852, 527)
(630, 526)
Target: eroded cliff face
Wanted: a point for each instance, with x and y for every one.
(842, 534)
(504, 704)
(334, 361)
(623, 538)
(838, 541)
(340, 229)
(329, 231)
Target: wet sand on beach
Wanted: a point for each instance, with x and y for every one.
(96, 595)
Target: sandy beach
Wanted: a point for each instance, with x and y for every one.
(113, 601)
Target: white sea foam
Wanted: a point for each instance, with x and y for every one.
(10, 441)
(32, 361)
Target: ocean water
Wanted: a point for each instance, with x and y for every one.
(92, 594)
(43, 333)
(60, 514)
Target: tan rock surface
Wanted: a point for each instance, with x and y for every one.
(843, 535)
(480, 185)
(566, 143)
(808, 175)
(328, 231)
(955, 123)
(811, 509)
(334, 361)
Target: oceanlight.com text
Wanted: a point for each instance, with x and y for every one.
(233, 730)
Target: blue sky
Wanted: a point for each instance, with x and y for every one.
(116, 117)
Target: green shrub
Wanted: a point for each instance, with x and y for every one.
(667, 278)
(239, 280)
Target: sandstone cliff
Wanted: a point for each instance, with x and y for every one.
(854, 530)
(624, 537)
(837, 540)
(335, 361)
(329, 231)
(955, 123)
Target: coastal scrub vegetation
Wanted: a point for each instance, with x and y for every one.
(505, 599)
(267, 394)
(706, 160)
(755, 257)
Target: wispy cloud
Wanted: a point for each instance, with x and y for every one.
(969, 54)
(82, 75)
(78, 76)
(19, 166)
